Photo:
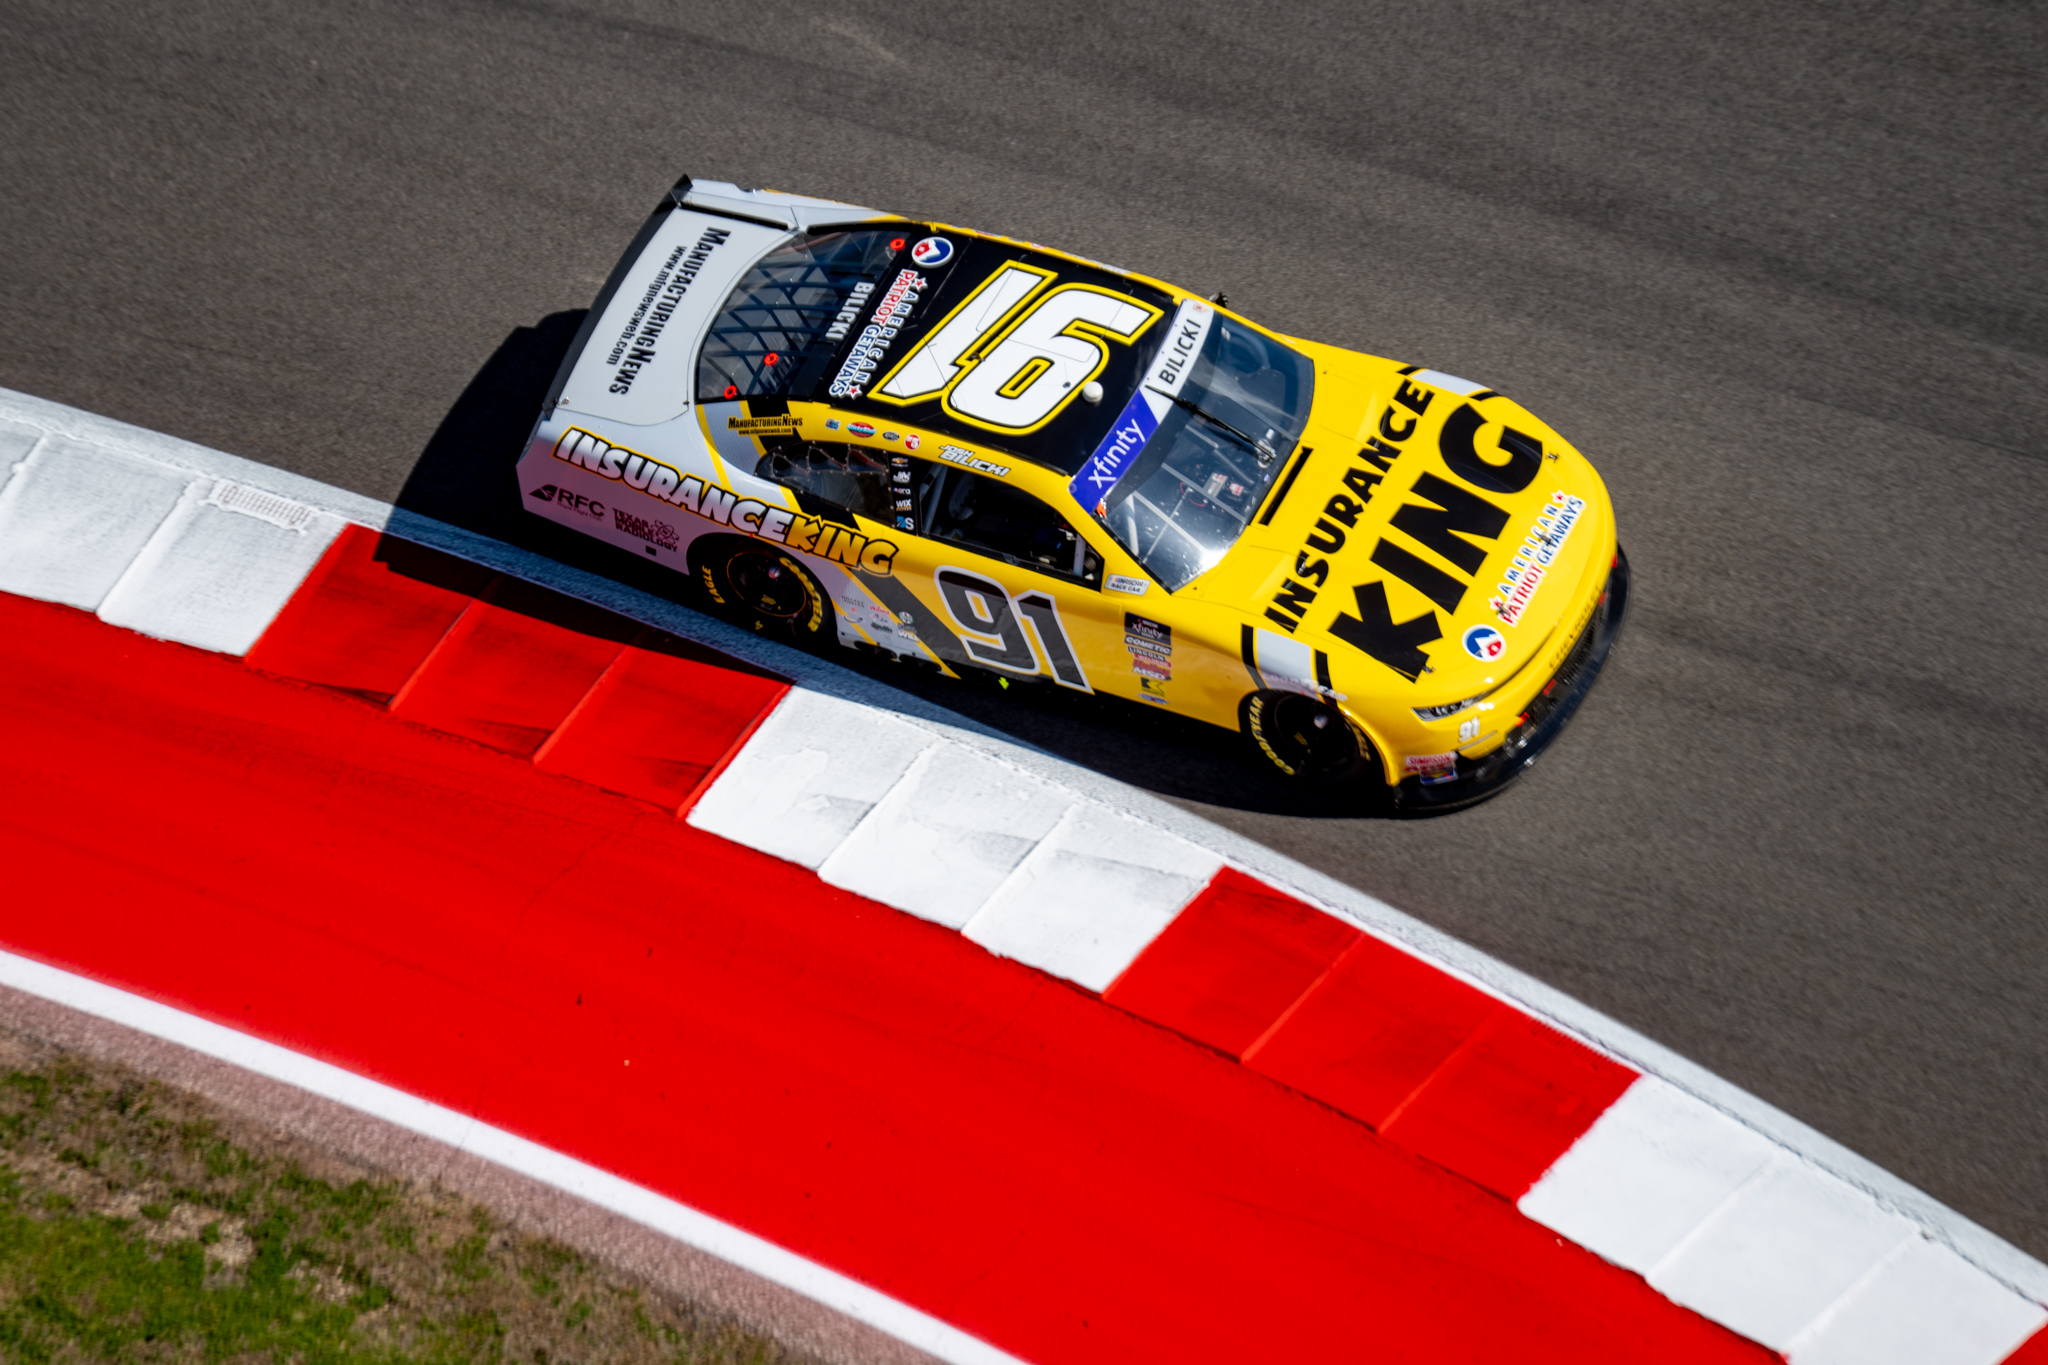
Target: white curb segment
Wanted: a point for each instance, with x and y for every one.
(220, 567)
(810, 774)
(1723, 1202)
(1095, 891)
(75, 516)
(1780, 1252)
(1923, 1306)
(947, 836)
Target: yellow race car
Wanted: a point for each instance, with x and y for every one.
(983, 454)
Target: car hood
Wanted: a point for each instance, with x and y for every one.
(1428, 536)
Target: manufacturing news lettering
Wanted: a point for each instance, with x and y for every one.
(636, 345)
(651, 477)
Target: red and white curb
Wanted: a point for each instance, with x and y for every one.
(1724, 1204)
(514, 1153)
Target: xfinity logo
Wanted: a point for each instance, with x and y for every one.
(589, 507)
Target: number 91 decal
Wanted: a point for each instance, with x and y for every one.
(1012, 634)
(1014, 353)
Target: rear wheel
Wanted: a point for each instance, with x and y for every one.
(765, 588)
(1305, 739)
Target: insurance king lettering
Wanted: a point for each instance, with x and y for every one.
(1374, 462)
(644, 474)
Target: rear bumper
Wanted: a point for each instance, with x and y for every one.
(1479, 778)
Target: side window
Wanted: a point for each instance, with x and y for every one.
(1006, 522)
(843, 475)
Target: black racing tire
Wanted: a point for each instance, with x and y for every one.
(764, 588)
(1306, 740)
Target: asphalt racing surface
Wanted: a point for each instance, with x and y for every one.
(1778, 270)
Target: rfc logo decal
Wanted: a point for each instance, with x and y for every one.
(932, 252)
(1485, 643)
(589, 507)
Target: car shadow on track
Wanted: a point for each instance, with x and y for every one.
(463, 477)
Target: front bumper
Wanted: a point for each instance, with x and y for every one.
(1479, 778)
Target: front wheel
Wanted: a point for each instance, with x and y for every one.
(767, 589)
(1305, 739)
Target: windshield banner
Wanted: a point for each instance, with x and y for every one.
(1164, 378)
(1168, 372)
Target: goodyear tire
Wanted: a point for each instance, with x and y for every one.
(1304, 739)
(765, 588)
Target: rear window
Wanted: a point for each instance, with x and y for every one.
(790, 311)
(983, 340)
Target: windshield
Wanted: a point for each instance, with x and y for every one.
(1192, 467)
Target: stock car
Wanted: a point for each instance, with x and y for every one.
(981, 454)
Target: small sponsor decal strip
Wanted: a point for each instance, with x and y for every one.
(1432, 768)
(1534, 556)
(778, 424)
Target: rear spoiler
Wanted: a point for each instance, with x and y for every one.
(773, 208)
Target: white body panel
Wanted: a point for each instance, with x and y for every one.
(621, 502)
(639, 366)
(795, 210)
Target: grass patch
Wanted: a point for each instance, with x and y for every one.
(136, 1224)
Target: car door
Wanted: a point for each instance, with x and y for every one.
(996, 579)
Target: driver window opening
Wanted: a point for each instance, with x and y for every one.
(1003, 521)
(843, 475)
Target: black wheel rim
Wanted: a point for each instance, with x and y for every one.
(1315, 739)
(769, 585)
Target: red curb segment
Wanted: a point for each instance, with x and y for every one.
(1508, 1103)
(1231, 964)
(1371, 1031)
(2034, 1352)
(662, 722)
(513, 666)
(381, 616)
(369, 613)
(871, 1091)
(1445, 1070)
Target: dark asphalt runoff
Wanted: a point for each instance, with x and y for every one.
(1779, 269)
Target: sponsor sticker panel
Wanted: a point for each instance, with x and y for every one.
(1533, 558)
(1432, 768)
(871, 348)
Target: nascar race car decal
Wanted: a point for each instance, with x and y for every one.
(988, 456)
